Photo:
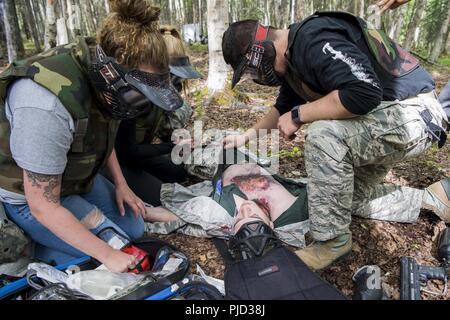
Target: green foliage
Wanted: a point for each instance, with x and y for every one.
(198, 47)
(444, 60)
(293, 153)
(435, 12)
(29, 46)
(408, 17)
(197, 98)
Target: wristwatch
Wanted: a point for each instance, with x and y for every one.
(296, 116)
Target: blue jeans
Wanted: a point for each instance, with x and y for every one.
(51, 249)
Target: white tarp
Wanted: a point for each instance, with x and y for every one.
(191, 32)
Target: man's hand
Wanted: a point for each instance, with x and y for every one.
(287, 126)
(124, 195)
(390, 4)
(234, 141)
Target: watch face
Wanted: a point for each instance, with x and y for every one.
(294, 114)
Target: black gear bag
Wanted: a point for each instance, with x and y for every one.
(276, 275)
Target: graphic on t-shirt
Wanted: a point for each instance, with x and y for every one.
(357, 69)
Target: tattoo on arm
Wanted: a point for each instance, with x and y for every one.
(49, 183)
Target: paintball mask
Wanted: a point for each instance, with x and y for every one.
(253, 239)
(258, 61)
(129, 93)
(181, 69)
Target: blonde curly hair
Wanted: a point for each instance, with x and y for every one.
(130, 34)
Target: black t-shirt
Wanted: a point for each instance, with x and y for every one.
(332, 54)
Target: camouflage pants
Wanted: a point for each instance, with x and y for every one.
(347, 161)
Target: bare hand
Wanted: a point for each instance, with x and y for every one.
(234, 141)
(181, 142)
(287, 126)
(390, 4)
(124, 195)
(118, 261)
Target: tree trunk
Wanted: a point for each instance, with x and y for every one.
(95, 13)
(2, 34)
(301, 11)
(14, 42)
(32, 25)
(217, 24)
(62, 23)
(50, 25)
(89, 16)
(107, 7)
(439, 43)
(447, 46)
(267, 20)
(92, 13)
(22, 20)
(284, 10)
(292, 11)
(201, 18)
(39, 11)
(74, 22)
(398, 24)
(414, 23)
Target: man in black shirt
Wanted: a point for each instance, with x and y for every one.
(369, 104)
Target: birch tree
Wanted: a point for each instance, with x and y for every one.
(107, 7)
(217, 18)
(50, 25)
(415, 21)
(14, 42)
(32, 25)
(74, 23)
(2, 34)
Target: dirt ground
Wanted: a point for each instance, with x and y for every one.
(375, 242)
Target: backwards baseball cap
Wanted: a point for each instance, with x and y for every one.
(246, 48)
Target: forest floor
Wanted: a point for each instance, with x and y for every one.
(375, 242)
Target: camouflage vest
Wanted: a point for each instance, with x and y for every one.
(159, 123)
(148, 126)
(62, 71)
(393, 60)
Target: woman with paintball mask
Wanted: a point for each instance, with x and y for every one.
(60, 114)
(146, 165)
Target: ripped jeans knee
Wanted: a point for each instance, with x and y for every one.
(93, 219)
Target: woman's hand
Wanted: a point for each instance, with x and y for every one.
(234, 141)
(182, 142)
(124, 195)
(118, 261)
(390, 4)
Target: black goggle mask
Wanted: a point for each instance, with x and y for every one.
(129, 93)
(252, 240)
(181, 70)
(259, 61)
